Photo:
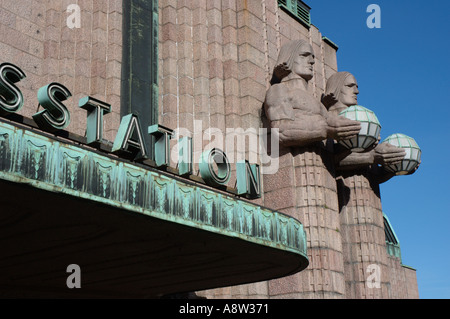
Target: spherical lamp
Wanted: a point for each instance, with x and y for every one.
(413, 154)
(370, 128)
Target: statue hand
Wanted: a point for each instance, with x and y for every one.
(329, 100)
(281, 70)
(373, 146)
(341, 128)
(415, 169)
(388, 154)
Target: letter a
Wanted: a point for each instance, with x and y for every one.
(74, 20)
(374, 20)
(74, 280)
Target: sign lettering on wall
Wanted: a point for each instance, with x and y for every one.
(214, 166)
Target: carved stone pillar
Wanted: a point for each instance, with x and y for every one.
(315, 203)
(362, 230)
(305, 185)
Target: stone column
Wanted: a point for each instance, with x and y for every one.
(362, 230)
(308, 190)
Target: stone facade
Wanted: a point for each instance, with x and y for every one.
(87, 60)
(216, 59)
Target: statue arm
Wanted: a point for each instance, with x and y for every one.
(381, 154)
(300, 127)
(301, 131)
(349, 161)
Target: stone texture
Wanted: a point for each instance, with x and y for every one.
(215, 64)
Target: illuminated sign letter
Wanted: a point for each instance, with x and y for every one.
(55, 115)
(129, 140)
(96, 109)
(209, 161)
(248, 180)
(11, 98)
(162, 143)
(185, 166)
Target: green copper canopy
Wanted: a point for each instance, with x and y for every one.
(150, 232)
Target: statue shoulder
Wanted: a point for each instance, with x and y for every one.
(277, 103)
(276, 93)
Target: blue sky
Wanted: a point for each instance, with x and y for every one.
(403, 74)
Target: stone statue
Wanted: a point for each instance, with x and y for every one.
(305, 186)
(289, 107)
(360, 212)
(342, 92)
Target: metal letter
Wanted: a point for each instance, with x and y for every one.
(129, 140)
(96, 109)
(248, 180)
(162, 144)
(55, 115)
(207, 171)
(11, 98)
(185, 165)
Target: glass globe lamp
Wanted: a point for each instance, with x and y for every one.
(413, 154)
(370, 128)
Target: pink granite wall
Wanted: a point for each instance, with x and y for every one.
(403, 280)
(216, 59)
(87, 60)
(363, 236)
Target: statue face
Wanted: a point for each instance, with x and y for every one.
(349, 92)
(303, 62)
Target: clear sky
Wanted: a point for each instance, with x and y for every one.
(403, 72)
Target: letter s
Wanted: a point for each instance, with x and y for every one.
(11, 98)
(55, 115)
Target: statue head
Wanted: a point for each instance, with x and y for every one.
(341, 88)
(296, 59)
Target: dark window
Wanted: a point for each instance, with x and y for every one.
(139, 90)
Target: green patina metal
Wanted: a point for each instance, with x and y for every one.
(211, 158)
(331, 43)
(392, 242)
(96, 109)
(185, 156)
(55, 115)
(56, 166)
(11, 98)
(139, 90)
(250, 182)
(298, 9)
(129, 140)
(161, 148)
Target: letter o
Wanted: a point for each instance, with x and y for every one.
(207, 169)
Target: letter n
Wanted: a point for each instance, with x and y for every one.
(248, 180)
